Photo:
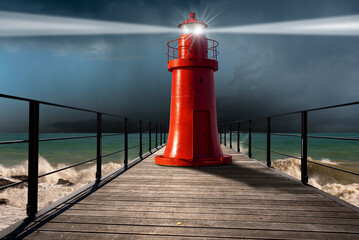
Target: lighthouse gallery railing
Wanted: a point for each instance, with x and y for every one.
(304, 138)
(173, 48)
(33, 145)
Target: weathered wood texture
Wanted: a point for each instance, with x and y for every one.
(242, 200)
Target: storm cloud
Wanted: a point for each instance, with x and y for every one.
(259, 75)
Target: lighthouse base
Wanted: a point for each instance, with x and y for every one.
(161, 160)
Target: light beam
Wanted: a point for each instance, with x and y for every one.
(338, 26)
(25, 25)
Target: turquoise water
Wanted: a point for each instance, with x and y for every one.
(72, 151)
(77, 150)
(343, 151)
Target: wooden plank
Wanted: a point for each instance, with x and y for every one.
(260, 212)
(207, 223)
(196, 231)
(214, 208)
(215, 217)
(199, 202)
(57, 235)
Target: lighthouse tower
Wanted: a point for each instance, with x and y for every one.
(193, 134)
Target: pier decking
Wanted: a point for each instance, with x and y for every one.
(242, 200)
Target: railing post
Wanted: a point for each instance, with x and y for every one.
(165, 141)
(99, 147)
(140, 128)
(220, 135)
(126, 144)
(33, 156)
(149, 137)
(161, 130)
(250, 139)
(230, 135)
(156, 136)
(238, 136)
(269, 163)
(225, 138)
(303, 165)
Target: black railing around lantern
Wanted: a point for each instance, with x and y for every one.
(303, 135)
(34, 140)
(173, 48)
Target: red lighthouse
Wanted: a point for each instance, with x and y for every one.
(193, 134)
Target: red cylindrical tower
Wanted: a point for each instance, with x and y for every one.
(193, 134)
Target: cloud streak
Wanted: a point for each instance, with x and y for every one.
(14, 24)
(338, 26)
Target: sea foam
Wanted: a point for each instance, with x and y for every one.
(334, 182)
(48, 190)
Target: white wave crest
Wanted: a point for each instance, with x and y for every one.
(323, 178)
(49, 190)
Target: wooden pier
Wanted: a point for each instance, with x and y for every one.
(244, 200)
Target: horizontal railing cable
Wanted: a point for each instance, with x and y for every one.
(285, 134)
(333, 138)
(112, 153)
(13, 141)
(134, 146)
(284, 154)
(298, 112)
(12, 184)
(65, 138)
(63, 106)
(339, 169)
(71, 166)
(112, 134)
(259, 147)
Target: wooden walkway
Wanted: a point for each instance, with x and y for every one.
(244, 200)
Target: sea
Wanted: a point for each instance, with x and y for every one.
(54, 155)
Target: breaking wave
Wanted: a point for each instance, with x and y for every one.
(334, 182)
(51, 187)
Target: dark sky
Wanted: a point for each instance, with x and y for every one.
(127, 75)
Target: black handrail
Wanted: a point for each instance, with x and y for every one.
(173, 48)
(48, 139)
(111, 134)
(13, 141)
(258, 147)
(12, 184)
(334, 138)
(56, 105)
(112, 153)
(284, 154)
(285, 134)
(57, 139)
(33, 149)
(297, 112)
(71, 166)
(328, 166)
(65, 138)
(304, 138)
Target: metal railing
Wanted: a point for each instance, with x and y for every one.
(33, 146)
(303, 136)
(173, 48)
